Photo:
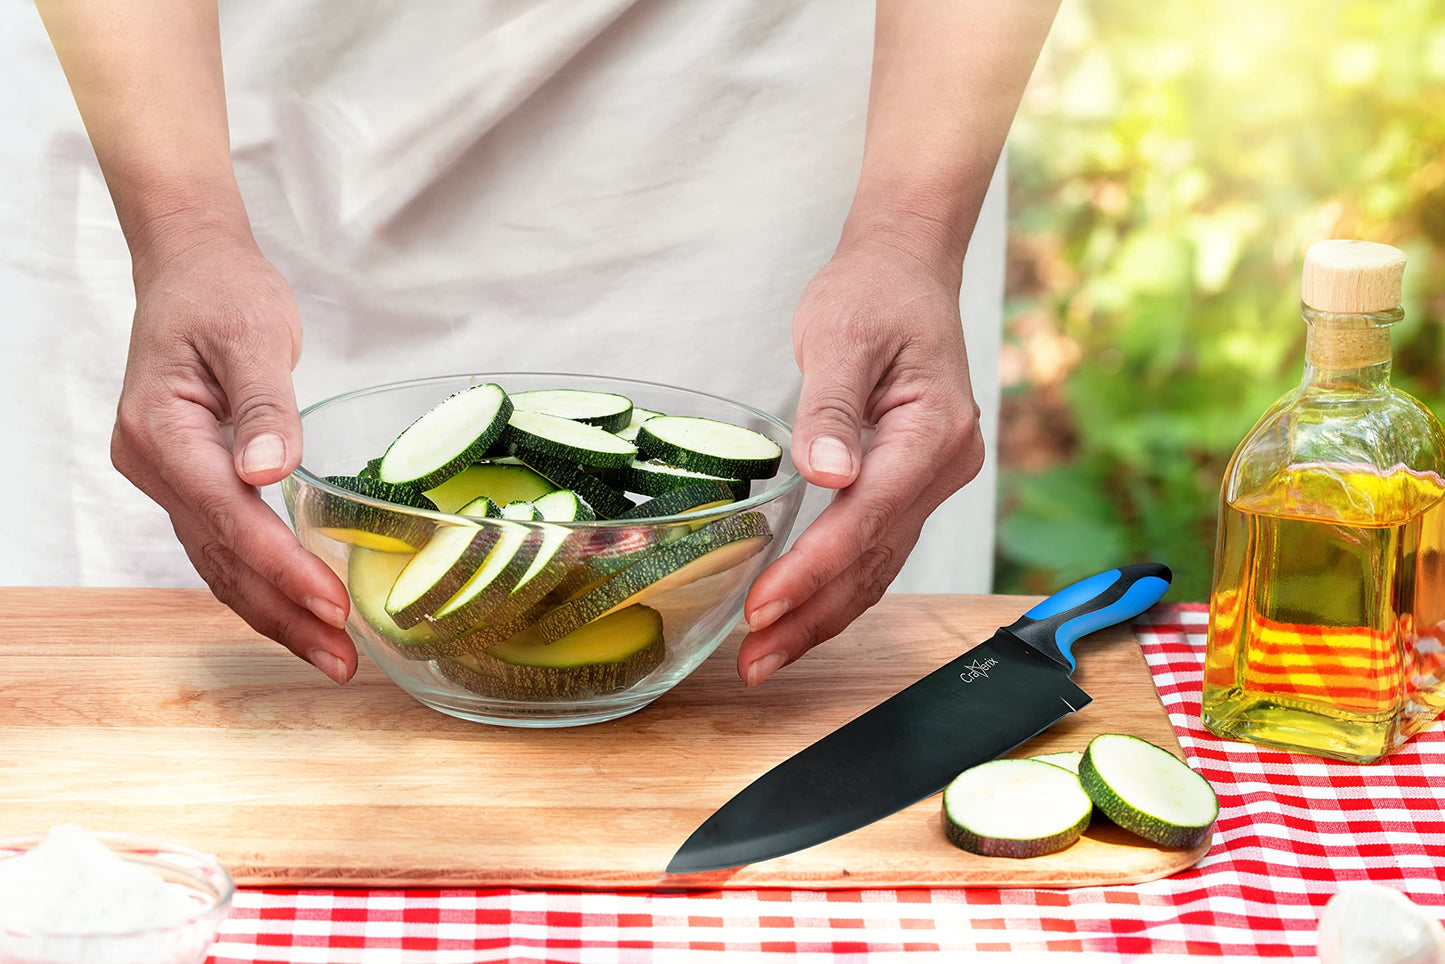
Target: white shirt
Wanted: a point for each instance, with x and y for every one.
(627, 187)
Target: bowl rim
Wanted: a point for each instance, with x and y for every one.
(25, 843)
(788, 483)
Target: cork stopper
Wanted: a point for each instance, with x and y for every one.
(1352, 277)
(1345, 278)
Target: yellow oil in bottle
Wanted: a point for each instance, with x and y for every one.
(1327, 618)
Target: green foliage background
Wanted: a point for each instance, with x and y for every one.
(1169, 165)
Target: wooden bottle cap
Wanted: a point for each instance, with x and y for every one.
(1352, 277)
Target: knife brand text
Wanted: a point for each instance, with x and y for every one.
(978, 669)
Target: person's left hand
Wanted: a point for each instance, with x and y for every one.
(878, 338)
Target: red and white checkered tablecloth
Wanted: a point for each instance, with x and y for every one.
(1291, 828)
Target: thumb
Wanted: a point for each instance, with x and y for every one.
(827, 434)
(267, 427)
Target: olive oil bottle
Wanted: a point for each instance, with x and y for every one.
(1327, 614)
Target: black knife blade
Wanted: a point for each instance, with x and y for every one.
(979, 705)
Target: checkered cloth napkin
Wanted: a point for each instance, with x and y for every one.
(1291, 828)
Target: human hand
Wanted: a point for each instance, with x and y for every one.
(878, 338)
(215, 337)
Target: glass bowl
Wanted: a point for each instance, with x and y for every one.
(449, 668)
(193, 877)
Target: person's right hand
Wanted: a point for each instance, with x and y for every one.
(215, 338)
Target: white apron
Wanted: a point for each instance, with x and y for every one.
(637, 188)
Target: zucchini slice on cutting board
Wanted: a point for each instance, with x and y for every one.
(606, 655)
(605, 410)
(1015, 808)
(447, 439)
(1148, 790)
(707, 445)
(717, 546)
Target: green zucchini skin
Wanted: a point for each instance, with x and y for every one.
(566, 441)
(474, 600)
(460, 561)
(683, 441)
(1114, 803)
(749, 529)
(605, 410)
(518, 680)
(480, 508)
(605, 501)
(323, 510)
(392, 467)
(655, 478)
(682, 499)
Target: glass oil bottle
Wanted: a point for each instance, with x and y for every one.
(1327, 614)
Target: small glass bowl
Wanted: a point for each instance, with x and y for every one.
(205, 883)
(343, 433)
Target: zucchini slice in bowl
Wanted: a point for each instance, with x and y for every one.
(718, 546)
(606, 410)
(606, 655)
(448, 438)
(566, 440)
(707, 445)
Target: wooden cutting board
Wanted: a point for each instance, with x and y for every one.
(158, 712)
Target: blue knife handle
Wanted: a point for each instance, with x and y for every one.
(1054, 625)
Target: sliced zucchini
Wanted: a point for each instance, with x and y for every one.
(508, 558)
(1148, 790)
(480, 508)
(564, 505)
(604, 500)
(553, 558)
(639, 415)
(1015, 808)
(444, 564)
(1068, 759)
(700, 495)
(566, 440)
(707, 445)
(501, 481)
(521, 512)
(369, 577)
(717, 546)
(605, 410)
(655, 478)
(373, 466)
(609, 654)
(374, 527)
(448, 438)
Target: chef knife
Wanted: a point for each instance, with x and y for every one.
(982, 704)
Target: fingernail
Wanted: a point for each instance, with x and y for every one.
(329, 664)
(326, 611)
(830, 456)
(765, 667)
(264, 453)
(766, 614)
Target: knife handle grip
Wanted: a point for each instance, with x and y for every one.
(1054, 625)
